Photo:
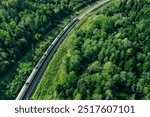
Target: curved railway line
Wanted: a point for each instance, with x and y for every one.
(40, 67)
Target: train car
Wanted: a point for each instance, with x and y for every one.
(65, 28)
(41, 61)
(26, 85)
(55, 41)
(49, 49)
(72, 22)
(22, 92)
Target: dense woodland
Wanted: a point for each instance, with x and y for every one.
(106, 57)
(23, 23)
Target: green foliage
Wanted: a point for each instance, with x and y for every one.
(109, 55)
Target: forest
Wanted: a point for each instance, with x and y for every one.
(24, 23)
(106, 56)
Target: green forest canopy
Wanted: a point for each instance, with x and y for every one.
(24, 22)
(107, 56)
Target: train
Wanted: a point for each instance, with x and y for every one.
(42, 59)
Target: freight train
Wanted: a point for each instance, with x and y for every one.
(42, 59)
